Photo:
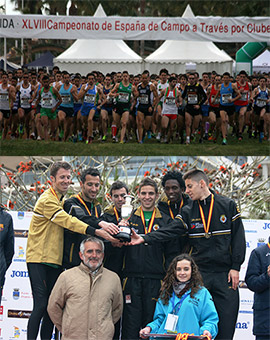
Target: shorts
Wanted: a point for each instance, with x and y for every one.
(26, 111)
(239, 107)
(77, 109)
(205, 110)
(96, 116)
(258, 109)
(6, 113)
(170, 116)
(38, 108)
(229, 109)
(69, 111)
(85, 109)
(181, 110)
(249, 108)
(216, 111)
(14, 111)
(145, 111)
(160, 104)
(109, 109)
(48, 113)
(120, 109)
(193, 112)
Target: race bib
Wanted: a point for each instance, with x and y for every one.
(25, 101)
(192, 99)
(66, 99)
(170, 101)
(216, 101)
(143, 99)
(90, 98)
(4, 97)
(123, 97)
(243, 97)
(226, 97)
(46, 102)
(261, 102)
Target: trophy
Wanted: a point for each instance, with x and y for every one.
(124, 234)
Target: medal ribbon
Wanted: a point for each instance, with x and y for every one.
(170, 210)
(268, 245)
(206, 227)
(151, 222)
(54, 193)
(82, 201)
(116, 214)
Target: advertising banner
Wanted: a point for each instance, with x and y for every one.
(217, 29)
(17, 297)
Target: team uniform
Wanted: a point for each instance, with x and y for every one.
(77, 104)
(123, 99)
(25, 97)
(89, 101)
(160, 87)
(194, 95)
(108, 106)
(47, 102)
(226, 93)
(144, 100)
(144, 268)
(5, 101)
(260, 101)
(88, 212)
(214, 103)
(243, 100)
(67, 104)
(216, 250)
(169, 107)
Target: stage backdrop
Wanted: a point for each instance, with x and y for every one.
(17, 298)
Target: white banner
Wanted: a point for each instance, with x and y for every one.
(17, 296)
(231, 29)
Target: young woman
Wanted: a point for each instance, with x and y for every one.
(184, 305)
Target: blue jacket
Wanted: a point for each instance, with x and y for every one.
(259, 282)
(195, 314)
(6, 243)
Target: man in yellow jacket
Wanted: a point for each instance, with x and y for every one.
(45, 245)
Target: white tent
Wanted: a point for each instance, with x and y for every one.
(175, 54)
(262, 62)
(84, 55)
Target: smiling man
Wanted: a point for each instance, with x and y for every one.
(144, 265)
(87, 300)
(45, 242)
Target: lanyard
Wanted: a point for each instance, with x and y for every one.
(206, 226)
(175, 311)
(82, 201)
(170, 210)
(116, 214)
(151, 222)
(54, 193)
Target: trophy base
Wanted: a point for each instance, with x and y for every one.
(123, 237)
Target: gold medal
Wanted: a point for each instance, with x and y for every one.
(206, 235)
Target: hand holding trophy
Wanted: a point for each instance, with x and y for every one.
(124, 234)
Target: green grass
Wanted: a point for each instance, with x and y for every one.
(151, 147)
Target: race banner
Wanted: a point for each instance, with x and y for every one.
(217, 29)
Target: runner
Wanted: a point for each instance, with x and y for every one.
(122, 92)
(228, 95)
(106, 106)
(214, 113)
(195, 97)
(171, 100)
(145, 108)
(7, 96)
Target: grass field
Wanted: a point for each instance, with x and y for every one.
(151, 147)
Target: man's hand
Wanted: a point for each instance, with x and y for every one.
(135, 239)
(111, 228)
(102, 233)
(233, 277)
(145, 332)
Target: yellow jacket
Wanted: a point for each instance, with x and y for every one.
(46, 234)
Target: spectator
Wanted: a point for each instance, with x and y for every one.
(258, 280)
(87, 300)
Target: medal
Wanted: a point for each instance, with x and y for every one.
(207, 226)
(207, 235)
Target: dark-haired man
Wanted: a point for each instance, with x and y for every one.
(45, 243)
(83, 206)
(144, 265)
(217, 240)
